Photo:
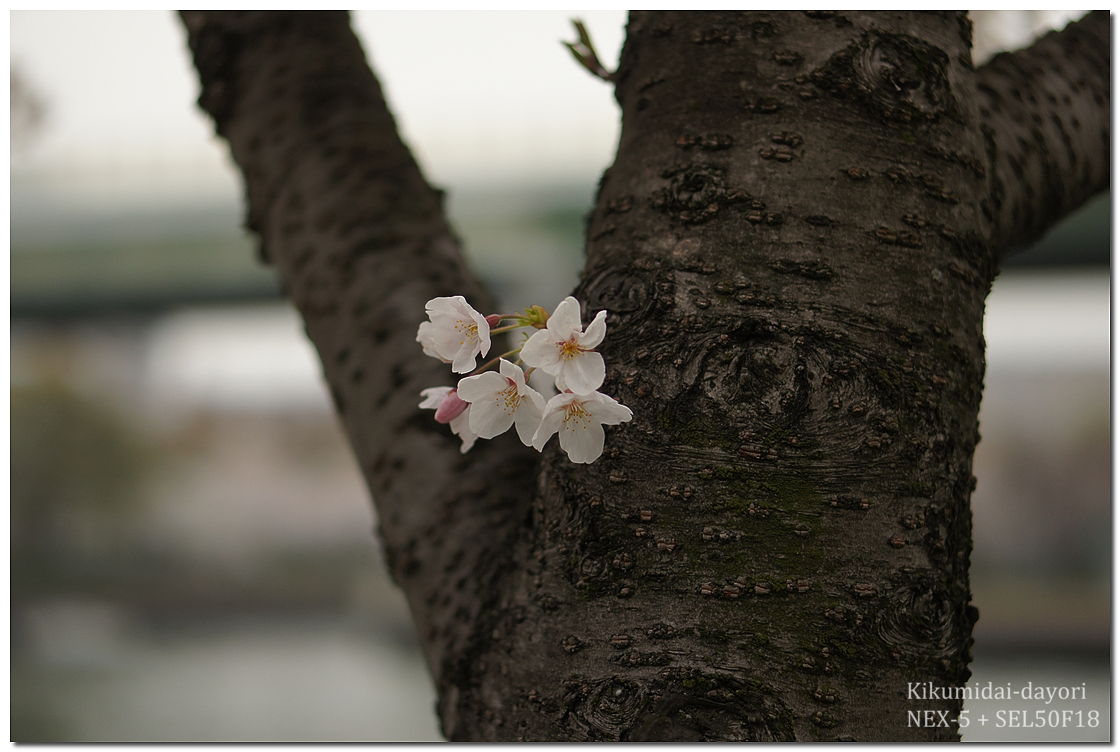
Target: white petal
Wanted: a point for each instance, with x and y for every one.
(448, 338)
(449, 306)
(490, 417)
(541, 352)
(532, 395)
(455, 308)
(512, 371)
(463, 359)
(550, 423)
(583, 374)
(527, 419)
(596, 330)
(461, 428)
(433, 396)
(606, 410)
(583, 444)
(426, 337)
(483, 333)
(481, 387)
(564, 321)
(560, 401)
(461, 307)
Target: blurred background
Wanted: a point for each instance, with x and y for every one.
(192, 551)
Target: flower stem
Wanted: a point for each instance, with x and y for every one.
(492, 361)
(507, 328)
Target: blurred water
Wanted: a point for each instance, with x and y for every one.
(318, 680)
(234, 681)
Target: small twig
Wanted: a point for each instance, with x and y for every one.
(584, 53)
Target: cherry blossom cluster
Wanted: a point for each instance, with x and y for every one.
(486, 402)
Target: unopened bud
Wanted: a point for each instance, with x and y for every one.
(535, 316)
(451, 407)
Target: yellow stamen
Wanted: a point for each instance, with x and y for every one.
(468, 329)
(570, 349)
(508, 399)
(575, 417)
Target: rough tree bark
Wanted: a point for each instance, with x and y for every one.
(794, 243)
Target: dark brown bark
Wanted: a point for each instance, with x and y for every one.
(360, 243)
(793, 253)
(1045, 118)
(790, 246)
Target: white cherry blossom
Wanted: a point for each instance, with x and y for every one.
(579, 419)
(456, 333)
(425, 335)
(500, 400)
(442, 399)
(566, 351)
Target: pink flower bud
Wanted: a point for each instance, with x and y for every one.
(451, 407)
(493, 319)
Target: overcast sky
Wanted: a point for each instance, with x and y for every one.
(482, 97)
(469, 89)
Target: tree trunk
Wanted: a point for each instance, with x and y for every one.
(794, 244)
(791, 249)
(360, 243)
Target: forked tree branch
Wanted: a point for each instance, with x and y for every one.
(360, 242)
(769, 333)
(1045, 115)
